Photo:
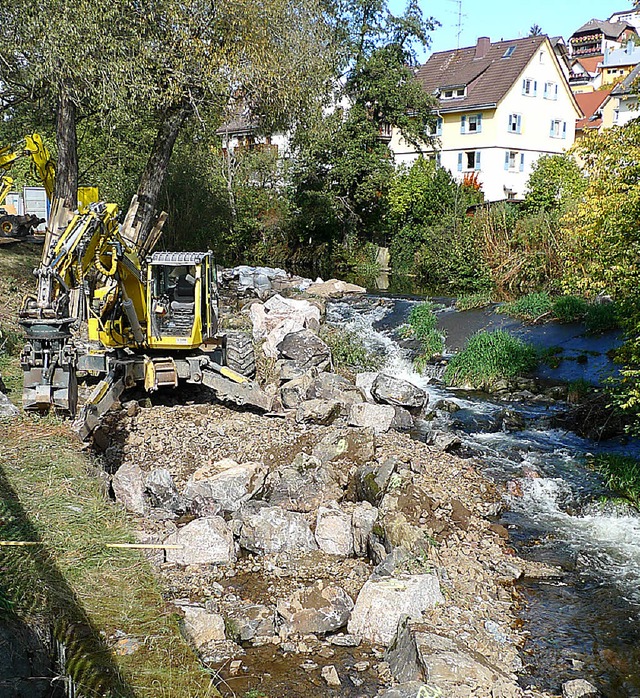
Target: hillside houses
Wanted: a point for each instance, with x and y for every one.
(500, 107)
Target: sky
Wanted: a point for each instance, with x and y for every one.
(508, 19)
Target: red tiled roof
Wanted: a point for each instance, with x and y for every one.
(590, 63)
(487, 79)
(590, 103)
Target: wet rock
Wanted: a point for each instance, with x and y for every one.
(162, 490)
(410, 689)
(265, 529)
(395, 391)
(249, 621)
(579, 688)
(202, 627)
(380, 418)
(204, 541)
(318, 412)
(303, 486)
(447, 406)
(331, 386)
(355, 445)
(333, 531)
(223, 486)
(344, 640)
(305, 349)
(334, 288)
(129, 488)
(330, 675)
(511, 420)
(381, 604)
(371, 480)
(363, 518)
(443, 440)
(7, 408)
(317, 609)
(294, 392)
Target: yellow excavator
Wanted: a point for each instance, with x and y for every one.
(108, 306)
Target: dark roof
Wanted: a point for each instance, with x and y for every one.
(487, 79)
(238, 125)
(624, 87)
(611, 30)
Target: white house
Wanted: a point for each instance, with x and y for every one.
(500, 107)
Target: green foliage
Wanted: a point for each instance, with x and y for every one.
(422, 319)
(602, 317)
(529, 308)
(488, 357)
(569, 308)
(555, 184)
(470, 301)
(348, 350)
(621, 474)
(578, 391)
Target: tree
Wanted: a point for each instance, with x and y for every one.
(535, 30)
(554, 185)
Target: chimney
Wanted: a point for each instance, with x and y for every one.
(482, 47)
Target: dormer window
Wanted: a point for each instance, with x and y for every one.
(453, 92)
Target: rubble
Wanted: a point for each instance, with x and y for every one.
(202, 541)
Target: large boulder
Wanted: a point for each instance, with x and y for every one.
(331, 386)
(334, 531)
(316, 609)
(265, 529)
(306, 349)
(294, 392)
(318, 412)
(363, 519)
(162, 490)
(249, 622)
(223, 486)
(334, 288)
(380, 418)
(381, 604)
(355, 445)
(396, 391)
(201, 626)
(579, 688)
(201, 542)
(129, 488)
(372, 480)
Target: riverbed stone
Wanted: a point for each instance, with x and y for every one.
(306, 349)
(204, 541)
(410, 689)
(330, 675)
(162, 490)
(318, 412)
(202, 626)
(266, 529)
(372, 479)
(355, 445)
(333, 531)
(247, 622)
(223, 486)
(364, 381)
(381, 604)
(579, 688)
(331, 386)
(380, 418)
(363, 519)
(320, 608)
(294, 392)
(129, 488)
(396, 391)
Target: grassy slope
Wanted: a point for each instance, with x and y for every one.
(93, 594)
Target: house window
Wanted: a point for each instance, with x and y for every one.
(550, 90)
(469, 160)
(453, 93)
(509, 52)
(471, 124)
(515, 123)
(514, 161)
(529, 87)
(558, 129)
(435, 129)
(616, 115)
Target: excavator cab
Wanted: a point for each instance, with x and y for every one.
(182, 297)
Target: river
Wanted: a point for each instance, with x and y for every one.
(584, 622)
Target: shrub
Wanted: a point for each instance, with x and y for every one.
(348, 350)
(602, 317)
(569, 308)
(529, 308)
(473, 300)
(621, 474)
(488, 357)
(422, 319)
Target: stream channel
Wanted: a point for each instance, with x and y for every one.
(586, 621)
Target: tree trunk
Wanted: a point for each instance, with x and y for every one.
(155, 171)
(66, 182)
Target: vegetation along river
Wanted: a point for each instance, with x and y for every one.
(556, 508)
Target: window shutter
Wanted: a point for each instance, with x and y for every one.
(556, 93)
(564, 129)
(511, 122)
(459, 162)
(479, 124)
(535, 88)
(439, 126)
(463, 124)
(518, 123)
(477, 167)
(524, 87)
(506, 160)
(551, 129)
(546, 90)
(521, 162)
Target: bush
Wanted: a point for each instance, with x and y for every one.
(621, 474)
(529, 308)
(473, 300)
(569, 308)
(348, 350)
(602, 317)
(422, 319)
(488, 357)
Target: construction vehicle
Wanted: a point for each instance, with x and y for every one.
(108, 306)
(12, 225)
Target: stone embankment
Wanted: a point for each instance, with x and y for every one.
(320, 550)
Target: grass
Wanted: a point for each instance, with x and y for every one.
(569, 308)
(529, 308)
(621, 474)
(474, 300)
(348, 350)
(602, 317)
(91, 593)
(423, 326)
(489, 357)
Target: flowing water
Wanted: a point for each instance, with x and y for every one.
(585, 622)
